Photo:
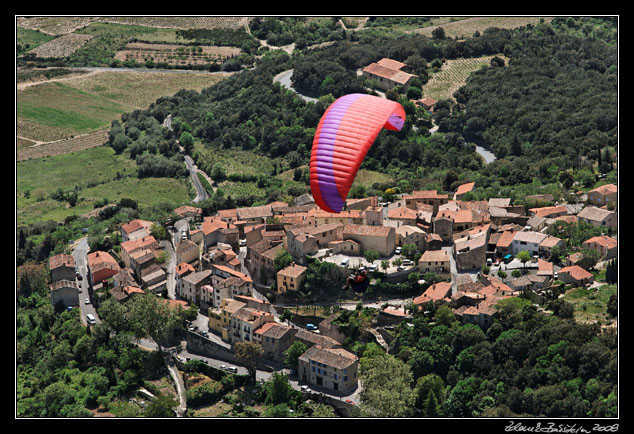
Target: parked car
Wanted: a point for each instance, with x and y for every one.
(397, 251)
(87, 300)
(373, 268)
(305, 389)
(311, 327)
(232, 369)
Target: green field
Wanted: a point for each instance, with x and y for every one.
(590, 304)
(28, 39)
(61, 106)
(98, 173)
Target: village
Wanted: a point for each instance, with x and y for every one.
(481, 252)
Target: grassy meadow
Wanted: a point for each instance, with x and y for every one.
(98, 173)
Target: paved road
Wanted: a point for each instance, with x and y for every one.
(79, 254)
(284, 78)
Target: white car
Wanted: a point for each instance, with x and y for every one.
(87, 300)
(306, 389)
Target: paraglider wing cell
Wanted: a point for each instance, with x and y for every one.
(342, 139)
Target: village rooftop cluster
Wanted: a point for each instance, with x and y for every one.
(221, 261)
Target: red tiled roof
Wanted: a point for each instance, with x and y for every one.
(576, 272)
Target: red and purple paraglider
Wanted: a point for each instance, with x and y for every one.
(343, 137)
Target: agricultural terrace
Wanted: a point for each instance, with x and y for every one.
(465, 28)
(79, 105)
(175, 55)
(61, 47)
(452, 75)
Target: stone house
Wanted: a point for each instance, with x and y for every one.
(274, 338)
(192, 284)
(470, 251)
(388, 73)
(598, 217)
(135, 229)
(407, 234)
(575, 275)
(347, 247)
(603, 195)
(428, 197)
(215, 230)
(187, 251)
(379, 238)
(436, 261)
(62, 267)
(334, 369)
(606, 246)
(290, 278)
(64, 291)
(245, 321)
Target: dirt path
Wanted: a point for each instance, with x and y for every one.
(24, 85)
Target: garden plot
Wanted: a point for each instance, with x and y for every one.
(174, 54)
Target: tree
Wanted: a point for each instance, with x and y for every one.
(278, 389)
(293, 353)
(161, 406)
(282, 260)
(524, 256)
(218, 172)
(386, 387)
(187, 140)
(371, 255)
(152, 316)
(247, 354)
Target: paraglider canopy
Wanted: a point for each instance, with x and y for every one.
(342, 139)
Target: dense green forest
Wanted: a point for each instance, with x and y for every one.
(556, 99)
(526, 364)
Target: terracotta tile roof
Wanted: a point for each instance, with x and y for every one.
(264, 328)
(603, 241)
(228, 213)
(396, 75)
(312, 229)
(182, 210)
(376, 231)
(605, 189)
(95, 259)
(426, 194)
(544, 268)
(550, 242)
(402, 213)
(132, 290)
(437, 291)
(506, 239)
(184, 268)
(434, 256)
(61, 260)
(293, 270)
(529, 237)
(213, 223)
(332, 357)
(500, 202)
(391, 63)
(148, 242)
(594, 213)
(135, 225)
(548, 211)
(255, 212)
(465, 188)
(576, 272)
(233, 272)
